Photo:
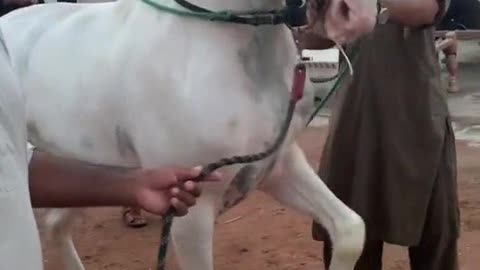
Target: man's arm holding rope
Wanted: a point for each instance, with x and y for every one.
(415, 13)
(60, 182)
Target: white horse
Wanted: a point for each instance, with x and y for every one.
(122, 83)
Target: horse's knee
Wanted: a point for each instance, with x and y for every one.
(348, 240)
(350, 235)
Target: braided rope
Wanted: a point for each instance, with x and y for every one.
(207, 170)
(167, 225)
(297, 93)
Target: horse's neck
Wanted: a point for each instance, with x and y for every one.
(266, 53)
(267, 57)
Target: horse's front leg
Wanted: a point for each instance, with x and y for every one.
(295, 184)
(192, 236)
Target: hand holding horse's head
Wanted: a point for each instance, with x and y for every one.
(341, 21)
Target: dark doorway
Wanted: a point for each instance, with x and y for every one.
(462, 15)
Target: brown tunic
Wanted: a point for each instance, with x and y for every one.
(387, 135)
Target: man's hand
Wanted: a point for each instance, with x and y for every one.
(412, 13)
(158, 189)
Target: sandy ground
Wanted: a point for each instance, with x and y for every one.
(268, 236)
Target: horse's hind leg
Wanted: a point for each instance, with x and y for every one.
(192, 236)
(298, 186)
(59, 223)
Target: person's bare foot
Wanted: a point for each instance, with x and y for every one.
(451, 62)
(133, 217)
(452, 67)
(453, 86)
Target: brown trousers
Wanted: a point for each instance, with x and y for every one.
(431, 255)
(437, 249)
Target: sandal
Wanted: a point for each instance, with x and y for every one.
(133, 217)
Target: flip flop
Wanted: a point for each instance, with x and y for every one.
(133, 220)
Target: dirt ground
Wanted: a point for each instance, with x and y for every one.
(268, 236)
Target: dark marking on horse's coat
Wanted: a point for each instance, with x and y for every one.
(232, 124)
(124, 142)
(256, 59)
(249, 59)
(32, 130)
(243, 182)
(87, 143)
(264, 67)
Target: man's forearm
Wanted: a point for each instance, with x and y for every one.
(56, 182)
(412, 13)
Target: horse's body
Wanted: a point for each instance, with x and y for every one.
(124, 84)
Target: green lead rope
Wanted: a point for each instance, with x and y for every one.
(340, 79)
(224, 16)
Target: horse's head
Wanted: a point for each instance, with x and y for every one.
(341, 21)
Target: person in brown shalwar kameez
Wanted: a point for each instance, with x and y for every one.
(390, 153)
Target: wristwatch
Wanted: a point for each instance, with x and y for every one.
(383, 15)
